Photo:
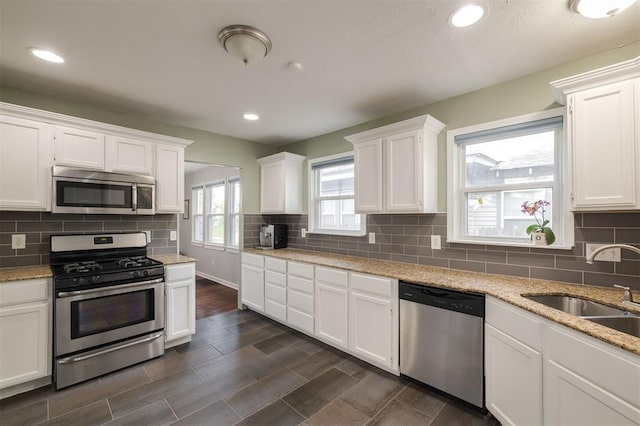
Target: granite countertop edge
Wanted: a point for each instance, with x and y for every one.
(506, 288)
(21, 273)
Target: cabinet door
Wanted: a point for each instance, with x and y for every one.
(275, 292)
(332, 314)
(125, 155)
(371, 322)
(79, 148)
(572, 400)
(180, 309)
(24, 343)
(25, 163)
(403, 154)
(253, 287)
(604, 147)
(169, 170)
(513, 379)
(368, 176)
(272, 187)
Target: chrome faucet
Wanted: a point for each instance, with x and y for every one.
(610, 246)
(627, 299)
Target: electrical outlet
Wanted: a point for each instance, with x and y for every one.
(372, 237)
(18, 241)
(436, 242)
(148, 236)
(303, 232)
(609, 255)
(173, 235)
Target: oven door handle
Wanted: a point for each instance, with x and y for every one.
(102, 289)
(115, 348)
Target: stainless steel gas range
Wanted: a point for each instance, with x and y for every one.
(109, 304)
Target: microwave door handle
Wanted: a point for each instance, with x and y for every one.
(134, 196)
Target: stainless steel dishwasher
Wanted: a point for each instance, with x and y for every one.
(442, 340)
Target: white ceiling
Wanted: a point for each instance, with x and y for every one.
(363, 59)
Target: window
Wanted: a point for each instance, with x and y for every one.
(233, 214)
(496, 168)
(332, 197)
(215, 213)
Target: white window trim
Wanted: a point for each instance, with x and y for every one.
(216, 246)
(311, 192)
(195, 242)
(455, 216)
(227, 215)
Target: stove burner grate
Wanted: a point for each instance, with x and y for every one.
(82, 267)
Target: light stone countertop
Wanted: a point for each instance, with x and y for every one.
(506, 288)
(172, 259)
(20, 273)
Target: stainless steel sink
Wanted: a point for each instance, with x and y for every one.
(626, 324)
(576, 306)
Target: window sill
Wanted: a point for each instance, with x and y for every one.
(215, 247)
(339, 233)
(512, 244)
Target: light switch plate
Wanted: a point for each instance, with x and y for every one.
(173, 235)
(372, 237)
(148, 236)
(303, 233)
(435, 242)
(609, 255)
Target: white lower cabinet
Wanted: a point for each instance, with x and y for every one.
(373, 320)
(332, 306)
(538, 372)
(587, 382)
(25, 335)
(252, 281)
(275, 288)
(300, 309)
(180, 302)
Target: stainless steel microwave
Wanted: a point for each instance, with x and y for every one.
(93, 192)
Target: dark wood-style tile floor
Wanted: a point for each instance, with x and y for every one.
(242, 368)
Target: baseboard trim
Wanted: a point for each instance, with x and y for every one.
(218, 280)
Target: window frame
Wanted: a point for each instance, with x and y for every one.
(207, 203)
(230, 214)
(195, 214)
(313, 199)
(456, 194)
(227, 214)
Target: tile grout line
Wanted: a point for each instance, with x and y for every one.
(171, 408)
(293, 408)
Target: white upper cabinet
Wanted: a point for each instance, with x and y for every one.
(125, 155)
(281, 183)
(169, 178)
(25, 164)
(603, 130)
(79, 148)
(396, 167)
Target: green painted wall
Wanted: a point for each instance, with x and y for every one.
(207, 147)
(524, 95)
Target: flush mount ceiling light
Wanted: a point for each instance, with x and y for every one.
(46, 55)
(251, 116)
(466, 15)
(247, 43)
(596, 9)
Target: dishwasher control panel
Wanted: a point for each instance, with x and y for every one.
(466, 303)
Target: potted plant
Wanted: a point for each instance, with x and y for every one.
(540, 233)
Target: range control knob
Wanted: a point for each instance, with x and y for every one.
(146, 273)
(136, 274)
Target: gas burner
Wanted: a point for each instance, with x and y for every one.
(82, 267)
(132, 262)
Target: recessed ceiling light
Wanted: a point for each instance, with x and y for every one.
(251, 116)
(596, 9)
(466, 15)
(46, 55)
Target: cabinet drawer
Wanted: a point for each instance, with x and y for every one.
(300, 284)
(276, 265)
(180, 272)
(253, 260)
(515, 322)
(24, 291)
(606, 366)
(300, 320)
(275, 278)
(276, 294)
(332, 276)
(301, 270)
(371, 284)
(300, 301)
(276, 310)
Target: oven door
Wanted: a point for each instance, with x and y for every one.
(88, 318)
